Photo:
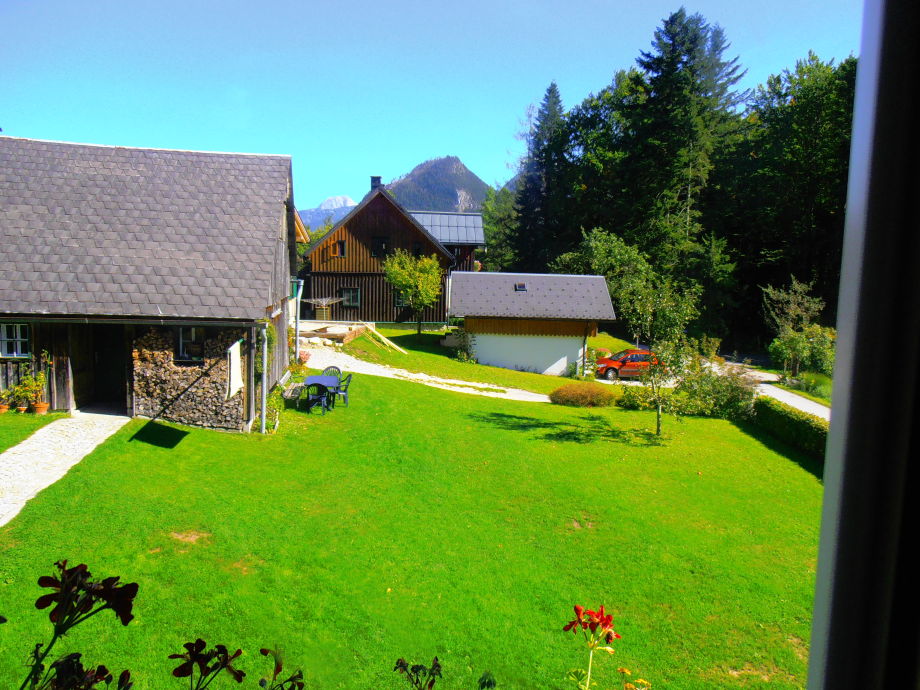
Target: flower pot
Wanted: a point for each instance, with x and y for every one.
(40, 407)
(4, 408)
(21, 409)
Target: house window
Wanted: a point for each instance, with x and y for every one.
(191, 344)
(338, 248)
(379, 246)
(398, 299)
(520, 287)
(351, 297)
(14, 340)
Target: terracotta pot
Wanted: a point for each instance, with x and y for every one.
(4, 408)
(40, 407)
(21, 409)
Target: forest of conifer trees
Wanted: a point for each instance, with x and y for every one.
(716, 191)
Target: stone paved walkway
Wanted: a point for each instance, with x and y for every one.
(322, 357)
(47, 455)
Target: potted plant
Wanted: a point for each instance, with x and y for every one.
(33, 391)
(39, 404)
(5, 395)
(19, 395)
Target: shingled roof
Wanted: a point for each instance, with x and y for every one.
(452, 228)
(530, 296)
(111, 231)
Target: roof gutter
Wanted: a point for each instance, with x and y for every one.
(127, 321)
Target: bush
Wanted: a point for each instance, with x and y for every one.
(583, 395)
(799, 429)
(637, 398)
(709, 393)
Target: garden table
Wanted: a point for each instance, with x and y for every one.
(330, 382)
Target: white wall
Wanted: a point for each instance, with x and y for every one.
(546, 354)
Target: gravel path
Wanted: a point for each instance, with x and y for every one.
(47, 455)
(796, 401)
(323, 357)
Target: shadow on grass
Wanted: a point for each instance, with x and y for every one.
(160, 435)
(589, 429)
(806, 462)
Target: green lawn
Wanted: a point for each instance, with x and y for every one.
(427, 356)
(15, 427)
(421, 522)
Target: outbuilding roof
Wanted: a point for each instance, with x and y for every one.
(530, 296)
(113, 231)
(453, 228)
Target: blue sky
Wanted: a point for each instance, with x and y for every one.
(352, 89)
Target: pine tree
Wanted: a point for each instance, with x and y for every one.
(539, 190)
(674, 130)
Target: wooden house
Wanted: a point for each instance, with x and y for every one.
(146, 275)
(347, 263)
(530, 322)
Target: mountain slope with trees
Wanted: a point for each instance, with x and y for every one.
(440, 184)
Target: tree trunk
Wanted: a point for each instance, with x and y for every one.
(658, 421)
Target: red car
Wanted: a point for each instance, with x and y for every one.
(624, 364)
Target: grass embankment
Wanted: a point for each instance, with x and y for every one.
(814, 386)
(15, 427)
(420, 522)
(426, 355)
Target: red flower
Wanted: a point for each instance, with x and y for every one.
(579, 621)
(601, 620)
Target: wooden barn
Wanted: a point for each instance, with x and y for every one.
(347, 263)
(530, 322)
(147, 276)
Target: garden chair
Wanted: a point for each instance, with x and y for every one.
(332, 371)
(343, 389)
(316, 395)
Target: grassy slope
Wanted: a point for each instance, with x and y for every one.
(426, 355)
(421, 522)
(15, 427)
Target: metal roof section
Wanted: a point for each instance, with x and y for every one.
(453, 228)
(370, 196)
(530, 296)
(114, 231)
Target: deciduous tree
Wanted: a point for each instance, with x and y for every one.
(418, 280)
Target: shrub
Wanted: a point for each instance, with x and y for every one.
(811, 348)
(728, 394)
(637, 398)
(799, 429)
(583, 395)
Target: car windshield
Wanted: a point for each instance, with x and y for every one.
(620, 354)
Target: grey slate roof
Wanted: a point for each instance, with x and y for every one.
(547, 296)
(96, 230)
(453, 228)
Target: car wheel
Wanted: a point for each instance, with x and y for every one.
(611, 374)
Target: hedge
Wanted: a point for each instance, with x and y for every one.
(583, 395)
(799, 429)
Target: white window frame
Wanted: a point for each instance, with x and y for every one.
(12, 338)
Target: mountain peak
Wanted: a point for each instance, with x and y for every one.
(335, 202)
(440, 184)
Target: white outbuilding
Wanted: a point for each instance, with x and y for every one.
(530, 321)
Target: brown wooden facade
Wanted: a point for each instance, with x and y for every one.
(505, 326)
(351, 258)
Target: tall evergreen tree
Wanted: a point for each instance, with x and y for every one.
(688, 102)
(539, 191)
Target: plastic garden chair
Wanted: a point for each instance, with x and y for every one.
(316, 395)
(332, 371)
(343, 389)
